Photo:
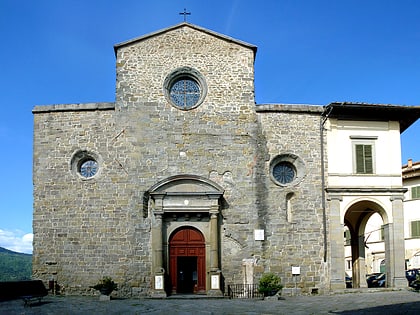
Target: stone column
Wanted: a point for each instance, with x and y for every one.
(394, 245)
(157, 242)
(336, 230)
(359, 261)
(214, 248)
(158, 280)
(215, 273)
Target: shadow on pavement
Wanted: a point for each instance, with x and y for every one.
(403, 308)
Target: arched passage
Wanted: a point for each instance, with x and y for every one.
(356, 219)
(187, 261)
(348, 208)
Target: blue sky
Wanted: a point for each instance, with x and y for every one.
(309, 52)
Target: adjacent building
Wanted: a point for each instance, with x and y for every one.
(411, 181)
(374, 231)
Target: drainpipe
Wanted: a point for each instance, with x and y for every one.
(324, 117)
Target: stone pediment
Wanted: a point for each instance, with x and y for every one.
(191, 26)
(185, 193)
(186, 184)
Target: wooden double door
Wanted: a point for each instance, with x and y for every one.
(187, 261)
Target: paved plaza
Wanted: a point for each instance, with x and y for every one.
(381, 302)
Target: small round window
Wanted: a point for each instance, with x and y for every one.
(287, 169)
(185, 88)
(85, 164)
(88, 168)
(185, 93)
(284, 172)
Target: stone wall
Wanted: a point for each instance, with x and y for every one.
(81, 229)
(88, 228)
(217, 140)
(294, 213)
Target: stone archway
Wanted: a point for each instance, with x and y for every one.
(356, 218)
(185, 200)
(348, 208)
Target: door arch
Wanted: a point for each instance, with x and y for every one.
(187, 257)
(356, 218)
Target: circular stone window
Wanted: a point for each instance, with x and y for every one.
(185, 88)
(284, 173)
(287, 169)
(88, 168)
(85, 164)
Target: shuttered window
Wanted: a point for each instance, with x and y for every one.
(364, 158)
(415, 192)
(415, 228)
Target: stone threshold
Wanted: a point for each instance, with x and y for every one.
(194, 297)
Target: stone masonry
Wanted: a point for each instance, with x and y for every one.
(86, 228)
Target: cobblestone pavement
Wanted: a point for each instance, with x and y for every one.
(385, 302)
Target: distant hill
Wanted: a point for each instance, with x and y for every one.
(15, 266)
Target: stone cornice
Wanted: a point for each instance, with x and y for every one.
(73, 107)
(366, 190)
(289, 108)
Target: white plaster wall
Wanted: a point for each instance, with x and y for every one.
(387, 153)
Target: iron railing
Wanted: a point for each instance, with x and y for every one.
(244, 291)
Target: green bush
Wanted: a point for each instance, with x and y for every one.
(269, 284)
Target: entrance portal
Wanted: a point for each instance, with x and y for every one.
(187, 261)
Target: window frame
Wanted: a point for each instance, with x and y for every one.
(365, 142)
(294, 161)
(185, 73)
(81, 156)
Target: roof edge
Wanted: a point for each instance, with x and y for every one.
(297, 108)
(196, 27)
(73, 107)
(404, 114)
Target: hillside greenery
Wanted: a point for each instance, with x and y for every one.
(14, 266)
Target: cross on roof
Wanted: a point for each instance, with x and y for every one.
(185, 13)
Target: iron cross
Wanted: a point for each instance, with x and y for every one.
(185, 13)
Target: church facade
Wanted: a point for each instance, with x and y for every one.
(185, 185)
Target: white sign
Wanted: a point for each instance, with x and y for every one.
(259, 235)
(158, 282)
(215, 282)
(295, 271)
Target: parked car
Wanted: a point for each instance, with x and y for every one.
(412, 276)
(376, 280)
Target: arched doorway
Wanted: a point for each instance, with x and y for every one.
(356, 219)
(188, 205)
(187, 256)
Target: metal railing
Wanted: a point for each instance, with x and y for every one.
(244, 291)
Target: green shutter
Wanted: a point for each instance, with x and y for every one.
(368, 159)
(360, 167)
(415, 192)
(364, 159)
(415, 228)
